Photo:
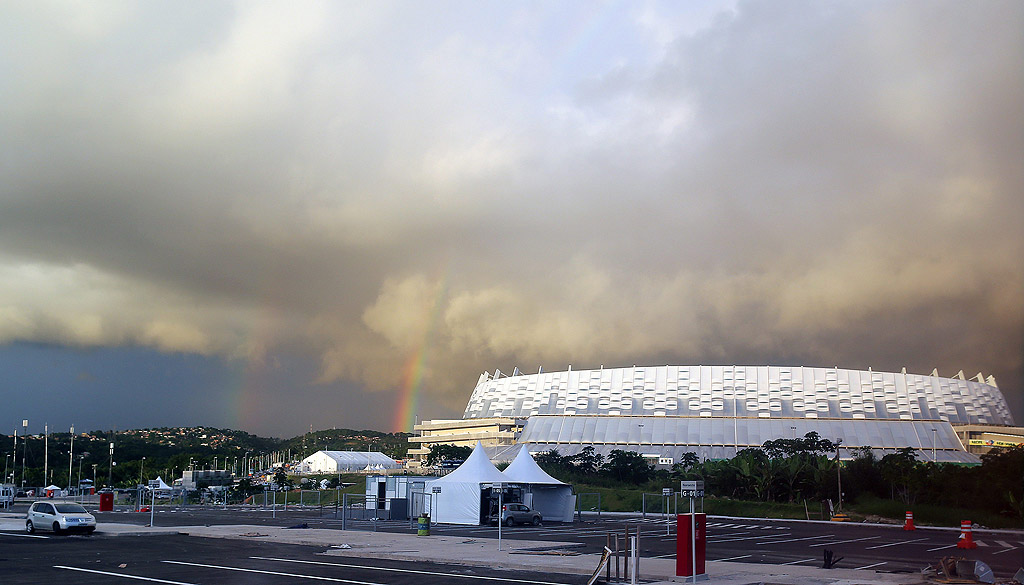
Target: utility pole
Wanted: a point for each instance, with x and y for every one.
(839, 475)
(46, 452)
(71, 455)
(14, 461)
(24, 449)
(110, 468)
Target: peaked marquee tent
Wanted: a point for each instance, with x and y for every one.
(552, 498)
(456, 497)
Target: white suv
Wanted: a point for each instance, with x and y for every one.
(59, 516)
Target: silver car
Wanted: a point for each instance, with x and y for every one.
(512, 514)
(59, 517)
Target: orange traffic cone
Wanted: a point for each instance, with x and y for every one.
(909, 523)
(966, 540)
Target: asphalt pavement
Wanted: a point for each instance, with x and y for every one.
(739, 551)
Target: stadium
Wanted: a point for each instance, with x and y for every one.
(664, 412)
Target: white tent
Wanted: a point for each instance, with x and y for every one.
(161, 485)
(456, 497)
(552, 498)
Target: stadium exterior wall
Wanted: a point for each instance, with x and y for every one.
(714, 411)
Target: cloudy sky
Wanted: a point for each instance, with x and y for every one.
(268, 216)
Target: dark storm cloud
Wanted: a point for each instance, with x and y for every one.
(826, 184)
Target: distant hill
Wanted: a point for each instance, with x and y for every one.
(169, 450)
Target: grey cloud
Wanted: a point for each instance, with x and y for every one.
(798, 183)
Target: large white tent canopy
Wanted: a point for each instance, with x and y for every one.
(455, 498)
(552, 498)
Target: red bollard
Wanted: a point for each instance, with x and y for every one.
(966, 540)
(908, 524)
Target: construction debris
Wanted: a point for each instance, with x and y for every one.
(959, 570)
(830, 559)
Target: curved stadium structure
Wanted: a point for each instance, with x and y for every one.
(714, 411)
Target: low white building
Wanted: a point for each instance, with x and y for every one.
(338, 461)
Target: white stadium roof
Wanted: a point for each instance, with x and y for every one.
(715, 411)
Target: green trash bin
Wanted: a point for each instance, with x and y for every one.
(423, 526)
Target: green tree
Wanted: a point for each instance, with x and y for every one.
(587, 461)
(244, 488)
(445, 452)
(627, 467)
(554, 463)
(898, 471)
(282, 480)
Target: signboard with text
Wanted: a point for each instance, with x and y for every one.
(691, 489)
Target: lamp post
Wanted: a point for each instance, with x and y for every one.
(110, 467)
(71, 456)
(142, 468)
(7, 459)
(839, 475)
(24, 449)
(934, 431)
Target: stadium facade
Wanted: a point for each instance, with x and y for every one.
(664, 412)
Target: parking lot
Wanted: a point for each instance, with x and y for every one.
(882, 548)
(179, 559)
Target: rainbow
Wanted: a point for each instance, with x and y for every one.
(415, 368)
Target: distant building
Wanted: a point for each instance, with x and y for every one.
(209, 477)
(340, 461)
(492, 431)
(664, 412)
(981, 439)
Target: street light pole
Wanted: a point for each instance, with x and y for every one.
(71, 455)
(933, 445)
(142, 469)
(110, 467)
(839, 475)
(24, 449)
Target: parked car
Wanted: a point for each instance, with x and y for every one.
(514, 513)
(59, 517)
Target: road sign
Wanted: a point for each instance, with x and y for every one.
(436, 489)
(666, 491)
(691, 489)
(154, 483)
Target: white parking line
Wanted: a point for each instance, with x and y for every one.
(668, 556)
(756, 536)
(1004, 544)
(798, 539)
(869, 566)
(895, 543)
(393, 570)
(23, 535)
(1005, 550)
(275, 573)
(734, 558)
(941, 547)
(842, 541)
(151, 579)
(798, 562)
